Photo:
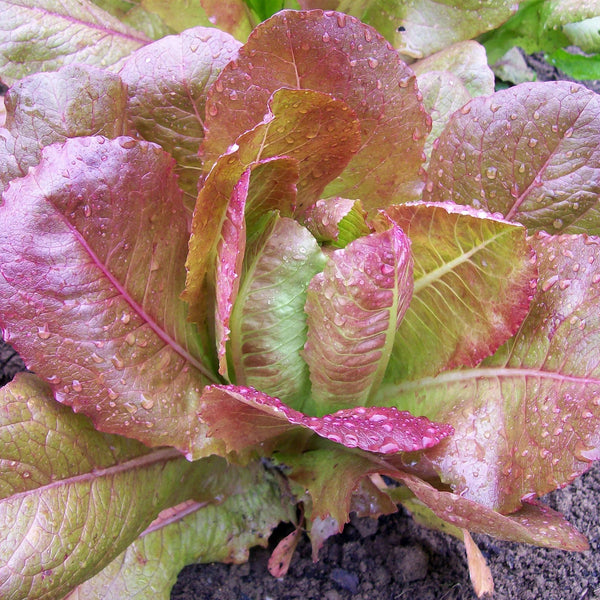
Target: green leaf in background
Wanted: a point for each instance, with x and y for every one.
(45, 108)
(268, 321)
(72, 498)
(43, 35)
(531, 153)
(134, 15)
(474, 279)
(167, 83)
(193, 532)
(93, 306)
(577, 66)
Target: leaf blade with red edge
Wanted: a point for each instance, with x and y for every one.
(527, 419)
(475, 276)
(93, 305)
(354, 308)
(244, 417)
(335, 54)
(530, 152)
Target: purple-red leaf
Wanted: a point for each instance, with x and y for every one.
(91, 268)
(531, 152)
(527, 420)
(340, 56)
(354, 308)
(315, 130)
(475, 276)
(243, 417)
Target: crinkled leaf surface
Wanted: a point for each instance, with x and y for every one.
(312, 128)
(43, 35)
(91, 270)
(244, 417)
(337, 221)
(167, 82)
(190, 533)
(73, 498)
(268, 321)
(46, 108)
(474, 276)
(534, 523)
(337, 55)
(531, 152)
(528, 419)
(418, 28)
(354, 308)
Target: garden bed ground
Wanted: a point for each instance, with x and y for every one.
(394, 559)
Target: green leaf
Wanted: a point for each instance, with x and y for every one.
(46, 108)
(526, 420)
(317, 131)
(193, 532)
(167, 82)
(354, 308)
(474, 276)
(268, 320)
(576, 65)
(72, 499)
(43, 35)
(93, 305)
(418, 28)
(531, 152)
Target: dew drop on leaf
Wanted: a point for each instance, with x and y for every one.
(557, 223)
(77, 387)
(491, 172)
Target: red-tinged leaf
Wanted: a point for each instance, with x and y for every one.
(531, 152)
(475, 276)
(479, 572)
(45, 35)
(527, 420)
(534, 523)
(66, 488)
(93, 304)
(280, 559)
(230, 256)
(354, 308)
(167, 82)
(232, 16)
(243, 417)
(315, 130)
(268, 324)
(337, 221)
(337, 55)
(46, 108)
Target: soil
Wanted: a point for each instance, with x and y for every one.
(395, 559)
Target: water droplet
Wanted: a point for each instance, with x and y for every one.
(26, 474)
(118, 362)
(596, 278)
(373, 62)
(77, 387)
(233, 95)
(494, 107)
(568, 133)
(130, 338)
(536, 115)
(43, 332)
(97, 358)
(125, 318)
(532, 143)
(213, 111)
(219, 86)
(522, 168)
(491, 172)
(131, 408)
(549, 283)
(325, 37)
(557, 223)
(147, 403)
(513, 116)
(466, 109)
(127, 144)
(112, 394)
(87, 211)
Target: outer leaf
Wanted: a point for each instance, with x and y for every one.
(190, 533)
(268, 323)
(419, 28)
(354, 308)
(244, 417)
(43, 35)
(534, 523)
(467, 61)
(475, 277)
(167, 83)
(50, 107)
(531, 152)
(72, 498)
(528, 420)
(340, 56)
(93, 304)
(318, 132)
(337, 221)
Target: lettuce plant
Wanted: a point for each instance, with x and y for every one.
(284, 281)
